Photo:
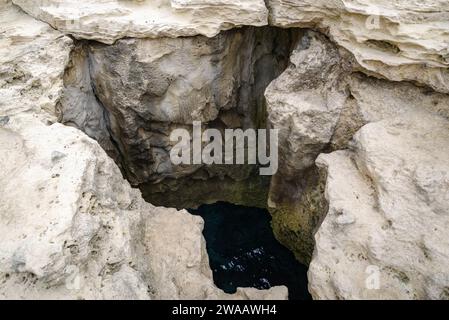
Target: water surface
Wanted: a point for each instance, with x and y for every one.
(243, 251)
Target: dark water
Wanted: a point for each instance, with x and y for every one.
(244, 253)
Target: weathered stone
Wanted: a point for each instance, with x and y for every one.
(372, 78)
(150, 87)
(318, 104)
(79, 107)
(399, 40)
(305, 104)
(71, 226)
(387, 213)
(375, 198)
(109, 20)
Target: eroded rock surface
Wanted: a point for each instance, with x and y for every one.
(387, 214)
(304, 103)
(385, 198)
(107, 21)
(306, 100)
(367, 89)
(72, 227)
(399, 40)
(149, 87)
(318, 104)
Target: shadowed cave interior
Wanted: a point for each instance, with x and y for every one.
(131, 124)
(243, 251)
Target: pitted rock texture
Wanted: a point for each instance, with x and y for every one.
(306, 100)
(386, 191)
(71, 226)
(387, 213)
(367, 89)
(318, 104)
(79, 107)
(149, 87)
(304, 104)
(399, 40)
(107, 21)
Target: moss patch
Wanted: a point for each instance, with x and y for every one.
(295, 221)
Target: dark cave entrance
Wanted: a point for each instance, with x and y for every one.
(123, 111)
(243, 251)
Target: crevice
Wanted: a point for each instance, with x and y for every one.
(118, 95)
(231, 73)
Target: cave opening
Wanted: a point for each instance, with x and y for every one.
(130, 97)
(243, 251)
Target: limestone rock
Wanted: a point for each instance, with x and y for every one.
(76, 230)
(376, 99)
(189, 277)
(318, 104)
(71, 226)
(399, 40)
(387, 214)
(305, 104)
(107, 21)
(79, 106)
(149, 87)
(25, 85)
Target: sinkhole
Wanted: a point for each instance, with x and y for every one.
(243, 251)
(130, 98)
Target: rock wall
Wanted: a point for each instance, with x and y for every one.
(107, 21)
(305, 104)
(400, 40)
(318, 104)
(139, 91)
(362, 86)
(387, 198)
(72, 227)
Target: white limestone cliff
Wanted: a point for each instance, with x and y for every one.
(386, 191)
(388, 217)
(368, 88)
(400, 40)
(107, 21)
